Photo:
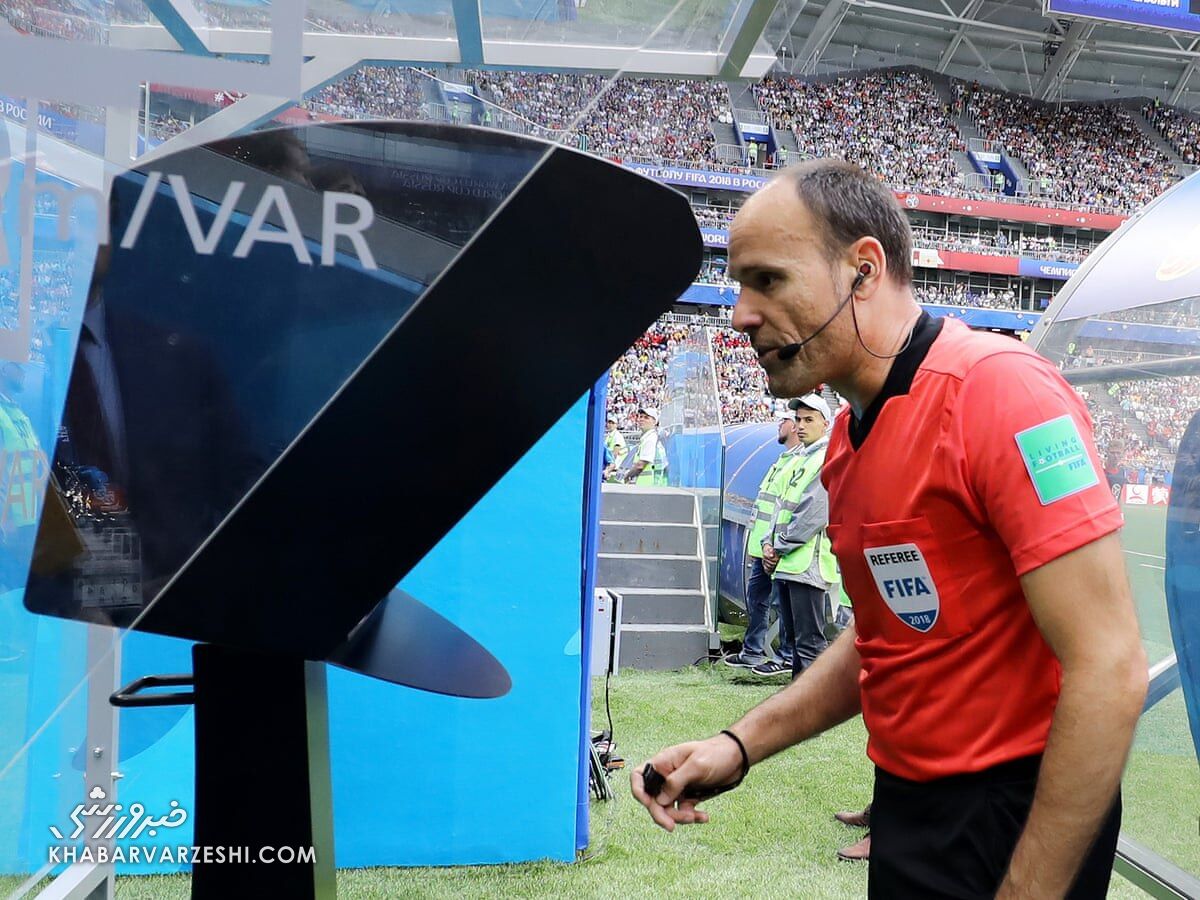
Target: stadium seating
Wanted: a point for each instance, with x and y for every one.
(910, 139)
(1181, 130)
(1077, 154)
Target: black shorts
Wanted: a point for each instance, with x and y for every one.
(953, 837)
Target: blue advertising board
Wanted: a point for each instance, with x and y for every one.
(1175, 15)
(85, 134)
(1045, 268)
(729, 181)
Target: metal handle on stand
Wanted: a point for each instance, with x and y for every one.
(129, 695)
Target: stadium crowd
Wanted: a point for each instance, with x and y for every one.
(54, 286)
(959, 294)
(372, 92)
(713, 271)
(714, 216)
(643, 118)
(741, 384)
(1078, 154)
(1087, 155)
(1181, 130)
(1163, 407)
(56, 19)
(551, 100)
(632, 118)
(1178, 313)
(911, 137)
(1140, 424)
(638, 378)
(992, 243)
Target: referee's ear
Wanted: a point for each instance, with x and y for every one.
(869, 266)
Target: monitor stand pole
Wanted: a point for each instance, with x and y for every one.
(263, 791)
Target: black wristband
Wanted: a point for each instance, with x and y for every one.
(742, 747)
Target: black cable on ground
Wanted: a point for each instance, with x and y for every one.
(612, 742)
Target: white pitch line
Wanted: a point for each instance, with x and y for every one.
(1147, 555)
(1149, 566)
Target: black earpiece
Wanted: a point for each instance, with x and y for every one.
(863, 271)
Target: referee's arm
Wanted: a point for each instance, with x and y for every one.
(1091, 627)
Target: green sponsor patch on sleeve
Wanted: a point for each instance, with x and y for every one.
(1057, 459)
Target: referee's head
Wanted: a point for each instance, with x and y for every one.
(824, 257)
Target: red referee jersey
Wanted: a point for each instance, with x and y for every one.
(984, 470)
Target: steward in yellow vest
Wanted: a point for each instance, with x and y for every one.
(799, 555)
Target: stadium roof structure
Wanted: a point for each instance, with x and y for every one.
(273, 54)
(1007, 44)
(700, 38)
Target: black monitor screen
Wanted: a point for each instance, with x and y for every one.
(243, 284)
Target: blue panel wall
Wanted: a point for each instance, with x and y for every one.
(431, 780)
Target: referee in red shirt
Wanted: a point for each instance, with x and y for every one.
(994, 654)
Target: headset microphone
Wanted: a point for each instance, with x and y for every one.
(790, 350)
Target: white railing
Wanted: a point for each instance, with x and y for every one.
(977, 181)
(729, 153)
(982, 145)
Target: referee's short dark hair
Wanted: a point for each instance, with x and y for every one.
(852, 204)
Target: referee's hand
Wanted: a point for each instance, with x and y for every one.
(711, 762)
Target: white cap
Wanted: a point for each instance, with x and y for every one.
(651, 411)
(812, 401)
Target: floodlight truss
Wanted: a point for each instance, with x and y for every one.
(1064, 60)
(968, 16)
(420, 50)
(750, 17)
(822, 33)
(1188, 71)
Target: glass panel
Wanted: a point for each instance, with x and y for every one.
(244, 282)
(45, 265)
(75, 123)
(690, 25)
(1126, 336)
(249, 14)
(406, 18)
(691, 426)
(1161, 785)
(57, 19)
(784, 17)
(1140, 417)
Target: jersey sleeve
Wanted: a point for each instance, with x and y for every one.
(1030, 459)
